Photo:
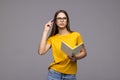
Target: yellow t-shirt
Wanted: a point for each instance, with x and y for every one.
(61, 61)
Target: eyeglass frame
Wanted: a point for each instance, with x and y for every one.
(59, 18)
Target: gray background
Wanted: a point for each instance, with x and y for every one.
(21, 26)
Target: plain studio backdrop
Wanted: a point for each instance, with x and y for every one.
(21, 27)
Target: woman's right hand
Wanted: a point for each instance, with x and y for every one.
(48, 25)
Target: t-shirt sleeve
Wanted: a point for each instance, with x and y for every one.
(79, 39)
(48, 41)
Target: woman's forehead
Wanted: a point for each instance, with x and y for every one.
(61, 14)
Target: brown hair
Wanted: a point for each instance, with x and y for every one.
(54, 30)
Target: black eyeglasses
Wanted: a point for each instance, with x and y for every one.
(59, 18)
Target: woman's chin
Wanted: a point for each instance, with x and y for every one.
(61, 27)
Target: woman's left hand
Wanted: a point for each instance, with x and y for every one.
(72, 58)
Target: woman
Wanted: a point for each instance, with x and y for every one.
(63, 67)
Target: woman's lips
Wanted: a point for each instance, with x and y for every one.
(62, 24)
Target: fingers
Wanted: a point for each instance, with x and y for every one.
(49, 24)
(72, 58)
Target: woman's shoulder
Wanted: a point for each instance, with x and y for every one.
(52, 37)
(75, 33)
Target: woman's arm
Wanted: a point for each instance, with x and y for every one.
(43, 47)
(82, 53)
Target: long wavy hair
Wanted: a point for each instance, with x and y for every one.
(54, 30)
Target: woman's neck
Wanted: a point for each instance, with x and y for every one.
(63, 31)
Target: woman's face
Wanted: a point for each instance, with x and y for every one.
(61, 20)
